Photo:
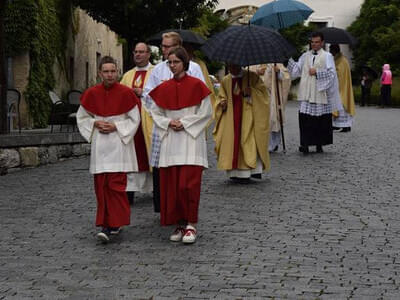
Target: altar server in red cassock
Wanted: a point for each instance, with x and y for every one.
(181, 112)
(108, 119)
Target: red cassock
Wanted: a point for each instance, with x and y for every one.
(113, 208)
(237, 119)
(140, 145)
(180, 185)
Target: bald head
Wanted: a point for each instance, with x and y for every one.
(141, 54)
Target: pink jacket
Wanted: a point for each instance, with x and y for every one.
(386, 75)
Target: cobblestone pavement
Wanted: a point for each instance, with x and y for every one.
(322, 226)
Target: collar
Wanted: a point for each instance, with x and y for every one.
(145, 68)
(240, 75)
(316, 52)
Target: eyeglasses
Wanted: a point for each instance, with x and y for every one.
(168, 46)
(173, 62)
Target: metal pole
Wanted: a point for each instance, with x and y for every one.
(278, 96)
(3, 72)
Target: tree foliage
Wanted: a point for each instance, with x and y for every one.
(136, 20)
(298, 35)
(38, 26)
(377, 29)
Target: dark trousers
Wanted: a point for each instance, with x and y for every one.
(386, 90)
(365, 95)
(156, 189)
(315, 130)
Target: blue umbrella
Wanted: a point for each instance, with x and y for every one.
(281, 14)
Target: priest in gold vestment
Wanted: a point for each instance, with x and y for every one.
(241, 131)
(343, 119)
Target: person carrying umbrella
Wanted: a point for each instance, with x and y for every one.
(318, 94)
(343, 119)
(241, 131)
(274, 72)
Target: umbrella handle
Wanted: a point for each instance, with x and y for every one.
(279, 108)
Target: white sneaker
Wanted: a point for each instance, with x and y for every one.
(103, 235)
(177, 235)
(190, 235)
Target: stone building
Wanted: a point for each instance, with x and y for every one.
(88, 41)
(337, 13)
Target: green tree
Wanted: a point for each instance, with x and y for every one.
(136, 20)
(377, 29)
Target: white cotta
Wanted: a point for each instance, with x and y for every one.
(115, 151)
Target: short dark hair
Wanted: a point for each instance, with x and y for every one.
(107, 60)
(181, 53)
(335, 48)
(317, 34)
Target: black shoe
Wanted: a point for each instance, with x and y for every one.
(104, 235)
(345, 129)
(241, 180)
(131, 197)
(276, 148)
(304, 149)
(336, 128)
(319, 149)
(257, 176)
(115, 230)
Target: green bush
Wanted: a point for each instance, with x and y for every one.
(376, 91)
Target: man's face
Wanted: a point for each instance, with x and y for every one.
(167, 46)
(141, 55)
(108, 74)
(234, 69)
(316, 43)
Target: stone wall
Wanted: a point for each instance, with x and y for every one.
(34, 156)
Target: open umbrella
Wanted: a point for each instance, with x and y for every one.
(280, 14)
(334, 35)
(249, 45)
(246, 45)
(187, 36)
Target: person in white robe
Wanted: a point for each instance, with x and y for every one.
(318, 94)
(108, 118)
(160, 73)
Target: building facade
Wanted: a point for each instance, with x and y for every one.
(337, 13)
(87, 42)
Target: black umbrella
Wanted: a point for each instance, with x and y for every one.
(335, 35)
(246, 45)
(187, 36)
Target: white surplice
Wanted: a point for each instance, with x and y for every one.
(187, 146)
(115, 151)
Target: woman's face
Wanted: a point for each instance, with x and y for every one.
(175, 64)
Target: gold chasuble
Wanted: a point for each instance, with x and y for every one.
(207, 79)
(254, 137)
(345, 84)
(147, 122)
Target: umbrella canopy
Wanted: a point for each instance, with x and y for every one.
(280, 14)
(335, 35)
(187, 36)
(248, 45)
